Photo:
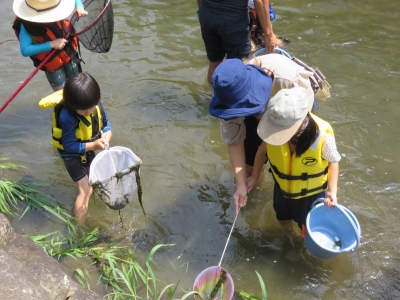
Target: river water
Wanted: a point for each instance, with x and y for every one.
(154, 89)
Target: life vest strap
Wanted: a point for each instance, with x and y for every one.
(83, 120)
(304, 192)
(303, 176)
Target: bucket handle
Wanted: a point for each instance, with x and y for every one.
(345, 211)
(277, 50)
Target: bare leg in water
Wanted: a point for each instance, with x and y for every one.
(212, 65)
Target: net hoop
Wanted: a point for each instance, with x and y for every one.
(206, 281)
(94, 21)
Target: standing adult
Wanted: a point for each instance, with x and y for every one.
(225, 28)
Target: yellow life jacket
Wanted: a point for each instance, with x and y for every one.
(302, 176)
(88, 128)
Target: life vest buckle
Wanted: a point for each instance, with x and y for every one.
(304, 176)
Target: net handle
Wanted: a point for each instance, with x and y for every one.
(229, 237)
(43, 62)
(94, 21)
(51, 54)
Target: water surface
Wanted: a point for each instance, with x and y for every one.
(154, 89)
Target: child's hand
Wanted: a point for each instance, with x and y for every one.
(81, 12)
(250, 183)
(240, 197)
(106, 136)
(330, 199)
(58, 44)
(99, 144)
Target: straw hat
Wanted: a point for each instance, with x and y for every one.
(286, 111)
(239, 90)
(43, 11)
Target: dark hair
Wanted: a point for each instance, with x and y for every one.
(81, 91)
(304, 138)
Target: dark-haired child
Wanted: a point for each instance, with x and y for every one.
(302, 153)
(80, 126)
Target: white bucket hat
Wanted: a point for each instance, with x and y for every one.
(43, 11)
(284, 116)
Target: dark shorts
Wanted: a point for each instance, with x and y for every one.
(252, 140)
(293, 209)
(76, 169)
(224, 34)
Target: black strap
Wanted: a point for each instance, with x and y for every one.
(83, 120)
(303, 176)
(303, 192)
(95, 122)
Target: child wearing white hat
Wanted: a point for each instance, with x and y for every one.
(303, 156)
(40, 26)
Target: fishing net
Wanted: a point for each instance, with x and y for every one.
(214, 283)
(95, 31)
(114, 176)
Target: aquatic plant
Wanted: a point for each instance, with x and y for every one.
(221, 280)
(247, 296)
(119, 269)
(9, 165)
(11, 193)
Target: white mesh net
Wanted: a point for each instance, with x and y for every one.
(113, 176)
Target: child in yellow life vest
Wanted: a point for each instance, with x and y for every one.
(303, 156)
(80, 126)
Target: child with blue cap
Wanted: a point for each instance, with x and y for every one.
(241, 92)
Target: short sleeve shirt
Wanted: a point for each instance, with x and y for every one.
(233, 131)
(287, 74)
(330, 152)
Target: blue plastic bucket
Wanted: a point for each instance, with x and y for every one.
(278, 50)
(331, 231)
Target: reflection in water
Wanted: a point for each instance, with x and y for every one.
(154, 88)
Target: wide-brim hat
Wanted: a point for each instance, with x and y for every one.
(285, 113)
(43, 11)
(239, 90)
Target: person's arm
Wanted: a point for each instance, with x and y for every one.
(331, 154)
(198, 3)
(238, 161)
(333, 175)
(80, 9)
(28, 48)
(68, 125)
(262, 9)
(106, 122)
(259, 161)
(106, 136)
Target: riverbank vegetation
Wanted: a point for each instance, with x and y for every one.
(122, 275)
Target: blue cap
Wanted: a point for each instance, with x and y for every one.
(239, 90)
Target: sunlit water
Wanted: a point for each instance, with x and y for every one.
(155, 92)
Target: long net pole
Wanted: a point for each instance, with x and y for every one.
(27, 80)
